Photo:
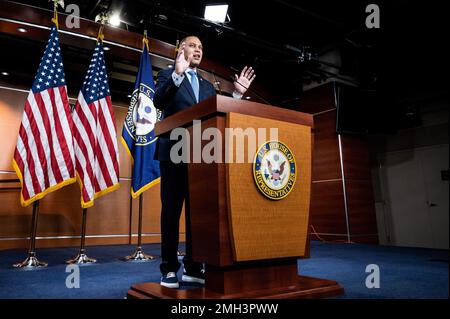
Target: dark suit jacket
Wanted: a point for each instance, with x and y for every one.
(172, 99)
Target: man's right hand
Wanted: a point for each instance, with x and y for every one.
(182, 62)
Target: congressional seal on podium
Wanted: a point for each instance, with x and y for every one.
(274, 170)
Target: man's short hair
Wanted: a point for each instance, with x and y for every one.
(188, 36)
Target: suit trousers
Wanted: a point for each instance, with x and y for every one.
(175, 191)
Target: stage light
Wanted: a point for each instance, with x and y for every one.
(22, 30)
(5, 73)
(114, 20)
(216, 13)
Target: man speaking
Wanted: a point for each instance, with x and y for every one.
(179, 88)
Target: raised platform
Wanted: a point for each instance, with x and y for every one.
(304, 288)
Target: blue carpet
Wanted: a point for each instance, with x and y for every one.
(404, 272)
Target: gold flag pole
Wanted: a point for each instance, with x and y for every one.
(32, 262)
(138, 254)
(82, 258)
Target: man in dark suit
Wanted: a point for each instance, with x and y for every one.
(178, 88)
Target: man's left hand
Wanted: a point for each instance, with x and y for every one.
(242, 82)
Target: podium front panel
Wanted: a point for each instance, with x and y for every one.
(262, 228)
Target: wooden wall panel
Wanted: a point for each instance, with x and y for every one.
(326, 160)
(60, 215)
(328, 214)
(61, 242)
(318, 99)
(356, 157)
(327, 208)
(363, 239)
(14, 219)
(11, 109)
(325, 122)
(329, 238)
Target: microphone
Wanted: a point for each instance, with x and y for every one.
(216, 81)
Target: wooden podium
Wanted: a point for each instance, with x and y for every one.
(250, 243)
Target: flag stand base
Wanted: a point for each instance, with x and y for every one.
(138, 255)
(31, 262)
(81, 258)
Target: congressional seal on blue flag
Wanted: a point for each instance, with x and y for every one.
(138, 134)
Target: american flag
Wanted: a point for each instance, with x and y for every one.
(44, 155)
(95, 142)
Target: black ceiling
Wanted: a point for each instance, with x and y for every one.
(405, 56)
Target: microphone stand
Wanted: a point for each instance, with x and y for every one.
(216, 82)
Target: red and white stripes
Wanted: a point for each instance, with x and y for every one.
(44, 155)
(96, 150)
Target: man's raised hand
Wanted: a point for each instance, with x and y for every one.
(181, 63)
(244, 80)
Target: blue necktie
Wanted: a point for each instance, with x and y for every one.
(194, 83)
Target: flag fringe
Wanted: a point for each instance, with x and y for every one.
(144, 188)
(40, 195)
(96, 195)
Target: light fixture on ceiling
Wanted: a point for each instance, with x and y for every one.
(216, 12)
(22, 30)
(162, 17)
(114, 19)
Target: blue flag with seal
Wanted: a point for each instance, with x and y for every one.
(138, 134)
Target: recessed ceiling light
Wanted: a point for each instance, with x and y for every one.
(5, 73)
(23, 30)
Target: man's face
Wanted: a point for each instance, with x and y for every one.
(193, 46)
